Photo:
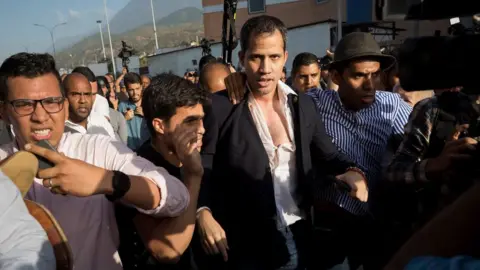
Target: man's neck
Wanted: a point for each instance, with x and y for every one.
(266, 98)
(137, 103)
(161, 148)
(82, 123)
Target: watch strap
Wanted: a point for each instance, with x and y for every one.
(120, 184)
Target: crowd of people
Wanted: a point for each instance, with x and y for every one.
(333, 166)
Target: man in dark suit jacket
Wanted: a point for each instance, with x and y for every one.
(260, 191)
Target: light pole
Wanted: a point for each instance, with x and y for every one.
(110, 39)
(154, 25)
(101, 36)
(339, 20)
(51, 30)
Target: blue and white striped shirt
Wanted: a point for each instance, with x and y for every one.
(364, 136)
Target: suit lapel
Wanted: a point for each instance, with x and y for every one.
(250, 133)
(295, 108)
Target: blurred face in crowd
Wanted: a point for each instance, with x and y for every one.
(111, 81)
(264, 61)
(134, 92)
(356, 84)
(35, 108)
(191, 116)
(307, 77)
(190, 76)
(145, 82)
(103, 87)
(324, 73)
(79, 95)
(284, 77)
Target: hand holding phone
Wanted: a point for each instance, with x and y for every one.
(44, 163)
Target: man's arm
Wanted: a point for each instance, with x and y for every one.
(408, 165)
(147, 181)
(400, 121)
(453, 232)
(24, 244)
(322, 146)
(167, 239)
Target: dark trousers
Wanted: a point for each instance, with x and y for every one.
(339, 235)
(289, 251)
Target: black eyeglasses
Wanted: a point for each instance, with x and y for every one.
(24, 107)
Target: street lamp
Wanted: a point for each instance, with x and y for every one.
(110, 39)
(51, 30)
(154, 26)
(101, 36)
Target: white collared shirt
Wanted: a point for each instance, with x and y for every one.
(96, 124)
(89, 223)
(100, 106)
(282, 158)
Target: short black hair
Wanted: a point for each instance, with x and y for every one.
(132, 78)
(86, 72)
(205, 60)
(30, 65)
(165, 94)
(303, 59)
(325, 62)
(259, 25)
(202, 78)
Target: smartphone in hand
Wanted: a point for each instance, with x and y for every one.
(44, 163)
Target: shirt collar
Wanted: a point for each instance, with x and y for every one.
(281, 87)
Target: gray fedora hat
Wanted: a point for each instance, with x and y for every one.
(360, 45)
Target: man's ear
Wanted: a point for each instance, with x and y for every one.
(336, 76)
(241, 54)
(286, 58)
(158, 125)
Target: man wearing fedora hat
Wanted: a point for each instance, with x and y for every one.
(363, 123)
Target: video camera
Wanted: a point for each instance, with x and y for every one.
(441, 62)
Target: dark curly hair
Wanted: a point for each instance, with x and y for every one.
(132, 78)
(30, 65)
(166, 93)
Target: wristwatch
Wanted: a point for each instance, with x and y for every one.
(120, 184)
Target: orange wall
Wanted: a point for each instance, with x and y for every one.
(292, 14)
(305, 12)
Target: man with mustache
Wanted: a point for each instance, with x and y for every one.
(364, 124)
(80, 101)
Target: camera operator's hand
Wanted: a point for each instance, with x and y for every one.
(454, 154)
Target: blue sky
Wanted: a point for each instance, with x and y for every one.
(17, 17)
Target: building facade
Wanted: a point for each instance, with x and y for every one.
(295, 13)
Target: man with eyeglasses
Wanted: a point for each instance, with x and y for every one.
(80, 101)
(91, 171)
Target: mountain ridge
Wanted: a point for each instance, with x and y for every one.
(180, 27)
